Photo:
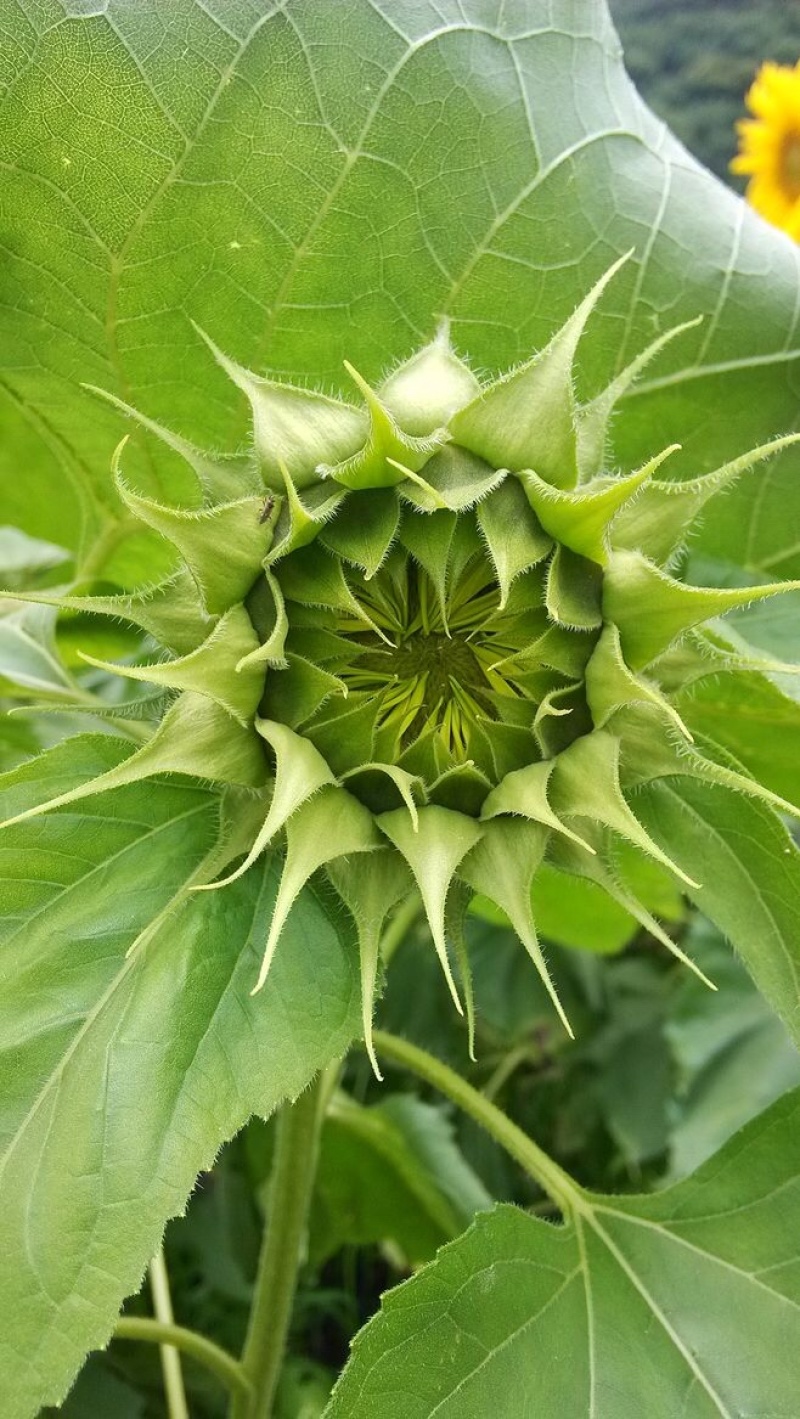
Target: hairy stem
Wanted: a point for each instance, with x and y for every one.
(405, 917)
(206, 1352)
(112, 533)
(508, 1065)
(177, 1408)
(537, 1164)
(290, 1194)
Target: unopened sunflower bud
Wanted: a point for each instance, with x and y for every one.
(439, 633)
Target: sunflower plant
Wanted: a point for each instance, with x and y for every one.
(406, 549)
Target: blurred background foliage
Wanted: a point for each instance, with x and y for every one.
(693, 61)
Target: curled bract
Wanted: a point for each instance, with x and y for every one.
(438, 635)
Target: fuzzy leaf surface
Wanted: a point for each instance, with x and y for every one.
(750, 885)
(753, 720)
(686, 1302)
(123, 1075)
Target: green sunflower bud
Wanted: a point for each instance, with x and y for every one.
(438, 635)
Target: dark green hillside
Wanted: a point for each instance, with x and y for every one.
(693, 61)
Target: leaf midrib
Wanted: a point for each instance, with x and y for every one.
(589, 1213)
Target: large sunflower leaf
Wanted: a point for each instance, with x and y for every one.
(731, 1054)
(685, 1303)
(310, 182)
(747, 715)
(750, 878)
(122, 1075)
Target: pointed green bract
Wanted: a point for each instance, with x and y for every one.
(406, 784)
(222, 479)
(574, 590)
(271, 648)
(223, 546)
(299, 523)
(651, 609)
(611, 685)
(171, 611)
(648, 758)
(433, 851)
(502, 866)
(580, 518)
(330, 825)
(525, 793)
(586, 784)
(462, 788)
(365, 536)
(428, 540)
(600, 868)
(423, 393)
(452, 478)
(514, 537)
(375, 465)
(370, 885)
(704, 654)
(300, 772)
(455, 915)
(195, 737)
(593, 419)
(314, 579)
(212, 669)
(657, 521)
(300, 691)
(526, 419)
(296, 428)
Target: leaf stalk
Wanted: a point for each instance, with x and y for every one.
(174, 1390)
(536, 1163)
(206, 1352)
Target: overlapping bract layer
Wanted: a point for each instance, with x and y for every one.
(436, 636)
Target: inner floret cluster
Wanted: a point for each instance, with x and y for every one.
(424, 664)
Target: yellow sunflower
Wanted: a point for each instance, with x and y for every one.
(769, 146)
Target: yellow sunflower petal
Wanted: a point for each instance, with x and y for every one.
(769, 146)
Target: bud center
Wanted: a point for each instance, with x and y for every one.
(427, 662)
(423, 663)
(445, 660)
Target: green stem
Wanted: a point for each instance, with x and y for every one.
(177, 1408)
(507, 1066)
(289, 1198)
(407, 914)
(212, 1356)
(111, 534)
(558, 1184)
